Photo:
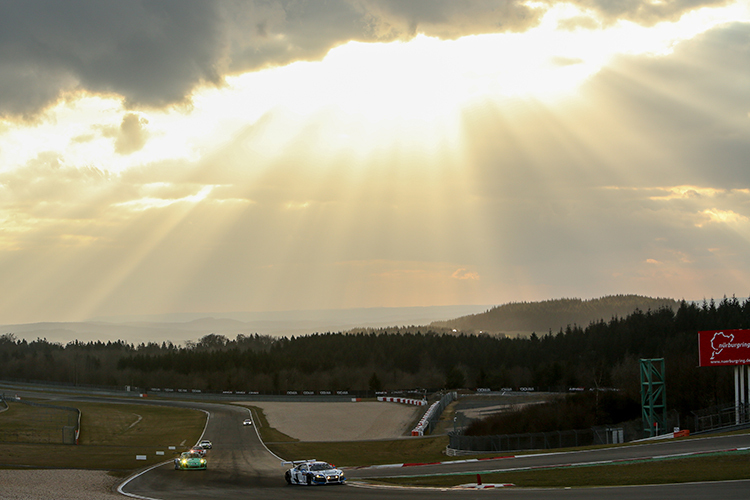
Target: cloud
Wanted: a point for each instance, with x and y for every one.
(723, 216)
(132, 135)
(463, 274)
(152, 53)
(644, 12)
(155, 53)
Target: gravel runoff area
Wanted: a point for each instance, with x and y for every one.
(46, 484)
(355, 421)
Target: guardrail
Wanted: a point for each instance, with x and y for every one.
(432, 415)
(406, 401)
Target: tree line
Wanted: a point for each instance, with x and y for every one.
(555, 313)
(604, 354)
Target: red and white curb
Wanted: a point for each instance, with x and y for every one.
(447, 462)
(406, 401)
(483, 486)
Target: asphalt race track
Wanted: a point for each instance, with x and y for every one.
(241, 467)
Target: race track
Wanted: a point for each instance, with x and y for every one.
(241, 467)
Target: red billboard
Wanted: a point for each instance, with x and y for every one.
(724, 347)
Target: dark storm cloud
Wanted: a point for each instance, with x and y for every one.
(154, 53)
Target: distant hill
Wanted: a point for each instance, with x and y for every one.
(181, 328)
(523, 318)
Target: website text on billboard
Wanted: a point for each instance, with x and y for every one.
(724, 347)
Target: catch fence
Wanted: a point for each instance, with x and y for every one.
(722, 416)
(460, 444)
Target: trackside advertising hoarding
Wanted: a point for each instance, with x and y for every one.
(724, 347)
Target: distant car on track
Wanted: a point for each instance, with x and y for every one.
(190, 461)
(198, 451)
(206, 444)
(247, 421)
(311, 472)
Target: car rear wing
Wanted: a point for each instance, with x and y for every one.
(297, 462)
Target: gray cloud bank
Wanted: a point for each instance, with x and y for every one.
(154, 53)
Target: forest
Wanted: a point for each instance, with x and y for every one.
(604, 354)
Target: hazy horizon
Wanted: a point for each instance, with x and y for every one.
(179, 328)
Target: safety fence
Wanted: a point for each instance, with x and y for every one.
(721, 416)
(460, 444)
(45, 424)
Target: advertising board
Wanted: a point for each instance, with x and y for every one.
(724, 347)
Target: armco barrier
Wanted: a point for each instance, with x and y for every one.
(407, 401)
(433, 413)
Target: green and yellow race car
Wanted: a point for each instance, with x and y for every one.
(190, 461)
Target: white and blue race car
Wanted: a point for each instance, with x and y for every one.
(312, 472)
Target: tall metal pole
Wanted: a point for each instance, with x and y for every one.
(737, 395)
(743, 401)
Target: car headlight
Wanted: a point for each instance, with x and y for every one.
(184, 461)
(203, 460)
(319, 476)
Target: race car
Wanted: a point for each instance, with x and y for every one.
(205, 444)
(247, 421)
(198, 451)
(190, 461)
(311, 472)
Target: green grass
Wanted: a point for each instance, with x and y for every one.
(718, 467)
(111, 437)
(31, 424)
(353, 453)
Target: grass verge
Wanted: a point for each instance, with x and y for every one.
(354, 453)
(32, 424)
(719, 467)
(112, 435)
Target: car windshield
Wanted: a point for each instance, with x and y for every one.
(321, 466)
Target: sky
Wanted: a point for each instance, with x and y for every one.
(212, 156)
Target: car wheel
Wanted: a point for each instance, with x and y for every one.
(309, 480)
(288, 477)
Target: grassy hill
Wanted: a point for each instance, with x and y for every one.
(523, 318)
